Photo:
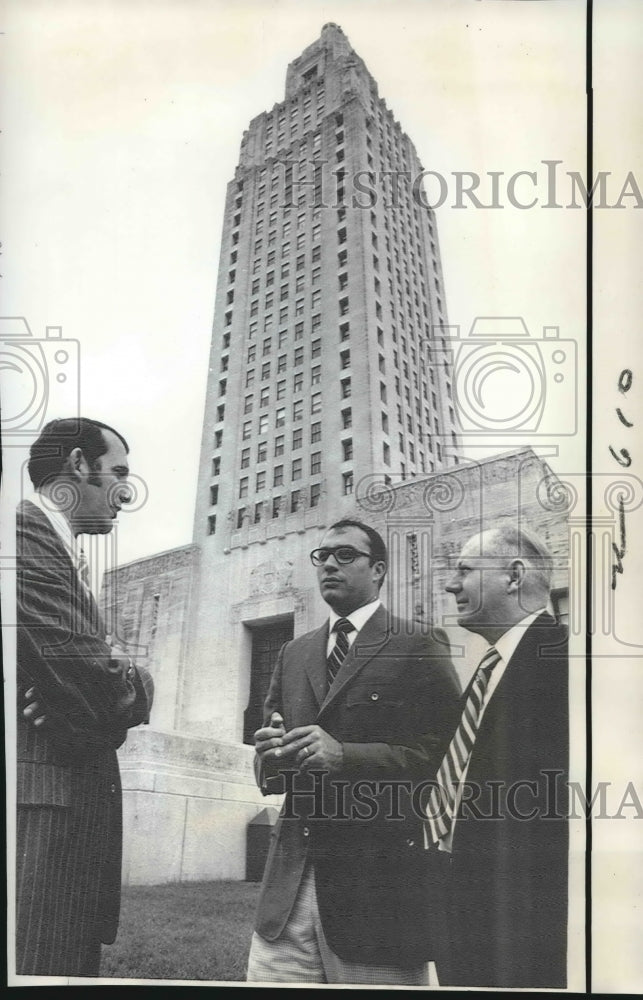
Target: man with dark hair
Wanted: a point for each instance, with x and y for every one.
(353, 719)
(77, 696)
(497, 824)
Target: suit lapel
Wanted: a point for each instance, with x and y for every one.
(315, 662)
(82, 596)
(370, 640)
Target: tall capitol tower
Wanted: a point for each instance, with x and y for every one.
(329, 286)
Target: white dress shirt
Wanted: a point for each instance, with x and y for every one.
(357, 618)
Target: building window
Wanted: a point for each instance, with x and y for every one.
(315, 432)
(347, 418)
(315, 493)
(299, 331)
(315, 463)
(280, 417)
(299, 356)
(297, 438)
(214, 495)
(276, 506)
(347, 483)
(279, 444)
(281, 389)
(315, 348)
(263, 423)
(346, 388)
(345, 359)
(281, 364)
(220, 412)
(385, 423)
(252, 353)
(241, 516)
(265, 396)
(344, 331)
(261, 481)
(222, 387)
(212, 524)
(247, 430)
(386, 453)
(347, 450)
(298, 382)
(296, 468)
(247, 404)
(343, 306)
(295, 498)
(315, 375)
(316, 402)
(243, 487)
(262, 451)
(245, 458)
(258, 512)
(216, 466)
(278, 475)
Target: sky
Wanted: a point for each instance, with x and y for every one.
(122, 128)
(122, 121)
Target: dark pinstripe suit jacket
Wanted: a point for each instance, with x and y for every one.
(69, 829)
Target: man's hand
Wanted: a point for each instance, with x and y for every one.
(311, 746)
(121, 663)
(269, 737)
(34, 711)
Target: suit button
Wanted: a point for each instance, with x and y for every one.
(410, 842)
(112, 788)
(306, 832)
(374, 696)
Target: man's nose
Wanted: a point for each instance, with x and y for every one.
(453, 585)
(331, 555)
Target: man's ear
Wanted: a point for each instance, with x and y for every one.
(379, 569)
(75, 463)
(516, 571)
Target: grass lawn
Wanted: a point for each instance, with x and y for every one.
(190, 930)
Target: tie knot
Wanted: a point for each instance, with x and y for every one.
(490, 659)
(343, 625)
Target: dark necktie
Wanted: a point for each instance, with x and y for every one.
(441, 805)
(340, 649)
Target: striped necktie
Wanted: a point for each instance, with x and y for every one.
(441, 805)
(340, 649)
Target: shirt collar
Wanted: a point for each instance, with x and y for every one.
(507, 643)
(357, 618)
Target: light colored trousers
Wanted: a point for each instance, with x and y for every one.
(301, 954)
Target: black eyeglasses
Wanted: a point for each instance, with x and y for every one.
(344, 554)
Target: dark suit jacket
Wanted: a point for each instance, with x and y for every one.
(387, 706)
(69, 828)
(506, 887)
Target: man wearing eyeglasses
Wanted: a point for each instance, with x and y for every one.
(355, 718)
